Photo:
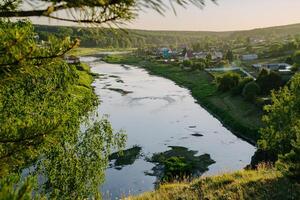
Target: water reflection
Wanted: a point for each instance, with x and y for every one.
(157, 114)
(126, 157)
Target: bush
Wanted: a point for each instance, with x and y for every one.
(228, 81)
(251, 90)
(187, 63)
(239, 88)
(199, 66)
(281, 134)
(295, 68)
(269, 81)
(289, 60)
(296, 58)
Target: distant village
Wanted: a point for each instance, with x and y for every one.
(219, 60)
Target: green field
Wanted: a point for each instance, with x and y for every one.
(82, 51)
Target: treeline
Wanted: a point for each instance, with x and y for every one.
(108, 38)
(198, 40)
(43, 103)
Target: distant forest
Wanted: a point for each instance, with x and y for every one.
(112, 38)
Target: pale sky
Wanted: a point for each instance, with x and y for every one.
(227, 15)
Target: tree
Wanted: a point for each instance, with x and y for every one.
(229, 55)
(43, 102)
(296, 58)
(281, 134)
(208, 59)
(239, 88)
(289, 60)
(42, 105)
(187, 63)
(228, 81)
(251, 90)
(199, 65)
(268, 80)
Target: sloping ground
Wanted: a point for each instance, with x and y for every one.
(247, 113)
(242, 185)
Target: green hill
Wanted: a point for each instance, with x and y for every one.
(129, 38)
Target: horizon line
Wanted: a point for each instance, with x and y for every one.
(172, 30)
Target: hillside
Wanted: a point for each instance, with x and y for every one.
(260, 185)
(106, 38)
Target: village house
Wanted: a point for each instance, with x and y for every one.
(200, 55)
(249, 57)
(214, 55)
(278, 66)
(282, 68)
(217, 55)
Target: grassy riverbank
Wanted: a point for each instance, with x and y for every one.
(81, 51)
(260, 185)
(242, 117)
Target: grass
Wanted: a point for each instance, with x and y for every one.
(242, 117)
(264, 183)
(83, 88)
(82, 51)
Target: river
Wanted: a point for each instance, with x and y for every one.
(156, 114)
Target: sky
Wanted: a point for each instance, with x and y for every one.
(225, 16)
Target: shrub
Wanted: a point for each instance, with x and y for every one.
(199, 66)
(281, 134)
(176, 167)
(251, 90)
(269, 81)
(296, 58)
(239, 88)
(289, 60)
(295, 68)
(187, 63)
(228, 81)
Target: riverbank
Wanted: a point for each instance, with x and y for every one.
(241, 117)
(258, 184)
(82, 51)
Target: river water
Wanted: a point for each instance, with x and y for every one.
(156, 114)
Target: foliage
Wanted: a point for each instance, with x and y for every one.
(89, 11)
(289, 60)
(281, 134)
(199, 40)
(268, 80)
(187, 63)
(9, 190)
(179, 163)
(251, 90)
(260, 184)
(75, 170)
(176, 167)
(239, 88)
(224, 63)
(296, 58)
(43, 102)
(229, 55)
(228, 81)
(198, 65)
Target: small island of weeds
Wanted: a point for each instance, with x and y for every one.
(179, 163)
